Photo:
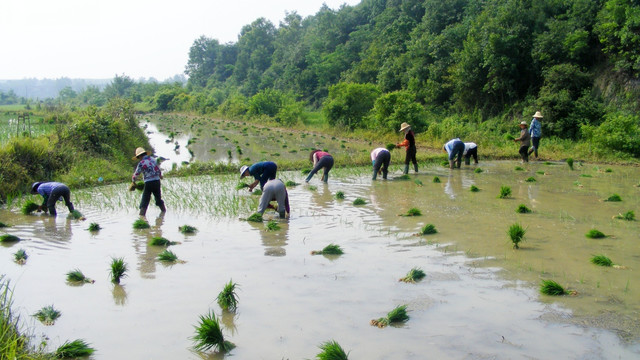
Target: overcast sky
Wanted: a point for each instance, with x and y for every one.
(97, 39)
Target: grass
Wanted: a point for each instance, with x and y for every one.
(118, 270)
(523, 209)
(403, 177)
(413, 212)
(413, 275)
(595, 234)
(419, 182)
(519, 168)
(255, 217)
(478, 170)
(359, 201)
(570, 163)
(550, 287)
(530, 179)
(614, 198)
(601, 260)
(161, 241)
(227, 298)
(395, 316)
(629, 216)
(93, 227)
(209, 335)
(8, 238)
(516, 233)
(331, 350)
(505, 192)
(77, 215)
(76, 276)
(586, 175)
(474, 188)
(428, 229)
(272, 225)
(28, 207)
(47, 315)
(436, 179)
(340, 195)
(187, 229)
(331, 249)
(20, 256)
(241, 185)
(141, 224)
(74, 349)
(168, 256)
(290, 183)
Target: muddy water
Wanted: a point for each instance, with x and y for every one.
(479, 299)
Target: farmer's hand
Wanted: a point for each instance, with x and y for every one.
(132, 187)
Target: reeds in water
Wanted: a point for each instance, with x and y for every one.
(227, 298)
(595, 234)
(168, 256)
(359, 201)
(187, 229)
(550, 287)
(331, 249)
(209, 335)
(118, 270)
(428, 229)
(601, 260)
(20, 256)
(505, 192)
(395, 316)
(523, 209)
(28, 207)
(331, 350)
(47, 315)
(415, 274)
(76, 276)
(141, 224)
(8, 238)
(74, 349)
(516, 233)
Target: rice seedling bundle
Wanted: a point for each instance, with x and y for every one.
(168, 256)
(601, 260)
(187, 229)
(516, 233)
(118, 270)
(614, 198)
(629, 216)
(141, 224)
(595, 234)
(94, 227)
(586, 175)
(608, 170)
(255, 217)
(331, 350)
(445, 163)
(161, 241)
(570, 163)
(519, 168)
(209, 335)
(47, 315)
(340, 195)
(77, 215)
(272, 225)
(474, 188)
(530, 179)
(20, 256)
(540, 172)
(509, 137)
(436, 179)
(403, 177)
(74, 349)
(331, 249)
(359, 201)
(413, 275)
(550, 287)
(478, 170)
(29, 206)
(428, 229)
(523, 209)
(227, 298)
(256, 192)
(305, 171)
(395, 316)
(291, 183)
(8, 238)
(413, 212)
(241, 185)
(505, 192)
(390, 146)
(76, 276)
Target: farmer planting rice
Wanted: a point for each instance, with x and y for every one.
(261, 171)
(275, 190)
(410, 143)
(525, 141)
(535, 130)
(455, 148)
(152, 174)
(51, 193)
(320, 160)
(380, 158)
(470, 149)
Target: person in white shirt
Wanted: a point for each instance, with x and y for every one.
(470, 149)
(380, 159)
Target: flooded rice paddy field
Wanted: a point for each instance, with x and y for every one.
(479, 299)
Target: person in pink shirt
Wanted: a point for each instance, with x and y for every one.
(151, 174)
(320, 160)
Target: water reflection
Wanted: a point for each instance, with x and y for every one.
(274, 242)
(119, 295)
(147, 261)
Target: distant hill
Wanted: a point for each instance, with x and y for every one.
(48, 88)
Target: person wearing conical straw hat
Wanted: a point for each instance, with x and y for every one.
(525, 141)
(410, 143)
(151, 173)
(535, 130)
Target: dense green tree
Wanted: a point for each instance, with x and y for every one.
(392, 109)
(120, 86)
(348, 105)
(618, 29)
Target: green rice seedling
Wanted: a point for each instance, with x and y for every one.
(256, 192)
(595, 234)
(331, 350)
(428, 229)
(229, 153)
(290, 183)
(550, 287)
(445, 163)
(77, 215)
(474, 188)
(93, 227)
(8, 238)
(209, 335)
(586, 175)
(305, 171)
(20, 256)
(413, 212)
(548, 163)
(601, 260)
(139, 185)
(478, 170)
(436, 179)
(76, 276)
(272, 225)
(614, 198)
(168, 256)
(331, 249)
(608, 170)
(160, 241)
(227, 298)
(29, 206)
(629, 216)
(359, 201)
(523, 209)
(403, 177)
(516, 233)
(141, 224)
(118, 270)
(418, 182)
(505, 192)
(187, 229)
(540, 172)
(241, 185)
(340, 195)
(3, 225)
(390, 146)
(530, 179)
(415, 274)
(519, 168)
(395, 316)
(509, 137)
(47, 315)
(570, 163)
(255, 217)
(74, 349)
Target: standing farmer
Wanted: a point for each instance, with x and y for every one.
(380, 158)
(151, 174)
(51, 193)
(525, 141)
(320, 160)
(410, 143)
(535, 130)
(455, 148)
(261, 171)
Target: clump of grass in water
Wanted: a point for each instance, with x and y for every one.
(428, 229)
(8, 238)
(209, 335)
(241, 185)
(395, 316)
(629, 216)
(413, 275)
(187, 229)
(76, 276)
(227, 298)
(359, 201)
(505, 192)
(94, 227)
(168, 256)
(601, 260)
(160, 241)
(413, 212)
(550, 287)
(613, 198)
(331, 249)
(141, 224)
(255, 217)
(74, 349)
(47, 315)
(77, 215)
(540, 172)
(331, 350)
(570, 163)
(28, 207)
(516, 233)
(523, 209)
(256, 192)
(519, 168)
(436, 179)
(340, 195)
(20, 256)
(291, 183)
(118, 270)
(474, 188)
(272, 225)
(313, 187)
(595, 234)
(478, 170)
(586, 175)
(3, 225)
(530, 179)
(403, 177)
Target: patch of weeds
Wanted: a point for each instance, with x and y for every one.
(209, 335)
(629, 216)
(118, 270)
(141, 224)
(168, 256)
(478, 170)
(436, 179)
(8, 238)
(530, 179)
(331, 249)
(340, 195)
(76, 276)
(331, 350)
(613, 198)
(47, 315)
(20, 256)
(516, 233)
(255, 217)
(474, 188)
(415, 274)
(428, 229)
(74, 349)
(359, 201)
(550, 287)
(187, 229)
(595, 234)
(272, 225)
(395, 316)
(227, 298)
(601, 260)
(160, 241)
(28, 207)
(93, 227)
(523, 209)
(505, 192)
(570, 163)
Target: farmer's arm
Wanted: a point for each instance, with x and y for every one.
(253, 184)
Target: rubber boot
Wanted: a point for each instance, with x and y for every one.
(406, 169)
(375, 174)
(162, 207)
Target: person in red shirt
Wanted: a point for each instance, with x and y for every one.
(320, 160)
(410, 143)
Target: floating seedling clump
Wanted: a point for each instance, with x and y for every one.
(93, 227)
(505, 192)
(331, 350)
(255, 217)
(20, 257)
(118, 270)
(290, 183)
(340, 195)
(550, 287)
(77, 215)
(629, 216)
(516, 233)
(272, 225)
(331, 249)
(436, 179)
(403, 177)
(74, 349)
(76, 276)
(601, 260)
(47, 315)
(187, 229)
(614, 198)
(395, 316)
(29, 206)
(478, 170)
(141, 224)
(530, 179)
(168, 256)
(359, 201)
(428, 229)
(160, 241)
(519, 168)
(8, 238)
(474, 188)
(227, 298)
(209, 335)
(412, 212)
(595, 234)
(523, 209)
(415, 274)
(570, 163)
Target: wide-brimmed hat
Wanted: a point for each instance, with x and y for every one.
(242, 170)
(404, 126)
(524, 123)
(140, 151)
(34, 187)
(537, 115)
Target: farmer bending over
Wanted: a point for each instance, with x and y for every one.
(261, 171)
(52, 192)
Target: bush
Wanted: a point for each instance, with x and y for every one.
(618, 132)
(349, 104)
(392, 109)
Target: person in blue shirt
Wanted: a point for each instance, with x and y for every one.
(455, 148)
(261, 171)
(535, 130)
(52, 192)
